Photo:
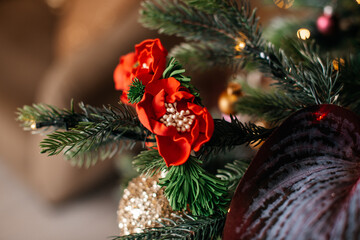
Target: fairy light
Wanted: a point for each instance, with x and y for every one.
(33, 125)
(303, 33)
(240, 45)
(358, 1)
(338, 62)
(284, 4)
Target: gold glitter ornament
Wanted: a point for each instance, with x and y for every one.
(229, 97)
(142, 204)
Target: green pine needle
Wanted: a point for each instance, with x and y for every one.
(136, 91)
(189, 186)
(149, 163)
(228, 135)
(273, 106)
(232, 173)
(96, 133)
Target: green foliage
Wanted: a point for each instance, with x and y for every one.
(149, 163)
(41, 115)
(196, 228)
(228, 135)
(202, 56)
(91, 135)
(273, 106)
(136, 91)
(215, 27)
(175, 70)
(189, 186)
(350, 78)
(209, 6)
(232, 173)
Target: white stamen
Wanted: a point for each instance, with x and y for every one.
(181, 120)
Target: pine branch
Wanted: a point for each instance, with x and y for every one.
(232, 173)
(96, 133)
(217, 27)
(350, 78)
(228, 135)
(149, 163)
(202, 56)
(311, 81)
(107, 128)
(196, 228)
(136, 91)
(43, 116)
(189, 186)
(273, 106)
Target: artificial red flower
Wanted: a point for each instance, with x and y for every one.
(179, 125)
(147, 63)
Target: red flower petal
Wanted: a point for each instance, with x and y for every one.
(176, 152)
(123, 72)
(206, 126)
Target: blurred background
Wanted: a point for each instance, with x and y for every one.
(52, 51)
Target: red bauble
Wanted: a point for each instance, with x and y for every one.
(327, 24)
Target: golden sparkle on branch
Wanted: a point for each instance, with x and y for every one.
(285, 4)
(303, 33)
(338, 62)
(240, 45)
(240, 42)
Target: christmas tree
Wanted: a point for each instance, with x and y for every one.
(303, 182)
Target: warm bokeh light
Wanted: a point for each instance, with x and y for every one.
(338, 61)
(358, 1)
(285, 4)
(33, 126)
(303, 33)
(240, 45)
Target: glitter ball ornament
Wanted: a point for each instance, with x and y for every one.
(229, 97)
(142, 204)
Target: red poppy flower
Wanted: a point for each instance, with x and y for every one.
(148, 62)
(168, 111)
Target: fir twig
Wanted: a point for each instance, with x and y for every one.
(189, 186)
(136, 91)
(350, 78)
(272, 106)
(214, 26)
(149, 163)
(232, 173)
(96, 133)
(228, 135)
(196, 228)
(40, 116)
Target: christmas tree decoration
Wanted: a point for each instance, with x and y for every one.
(146, 63)
(285, 4)
(143, 205)
(338, 63)
(327, 24)
(229, 97)
(303, 33)
(304, 181)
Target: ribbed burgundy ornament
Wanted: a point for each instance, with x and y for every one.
(304, 183)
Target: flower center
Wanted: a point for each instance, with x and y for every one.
(182, 120)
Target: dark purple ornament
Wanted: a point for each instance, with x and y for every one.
(304, 183)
